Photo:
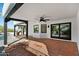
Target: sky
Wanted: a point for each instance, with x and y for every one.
(10, 23)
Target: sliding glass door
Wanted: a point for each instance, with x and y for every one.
(61, 30)
(65, 31)
(55, 30)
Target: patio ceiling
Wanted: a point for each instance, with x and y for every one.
(32, 11)
(7, 8)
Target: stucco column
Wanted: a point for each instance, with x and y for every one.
(5, 32)
(14, 29)
(23, 30)
(27, 29)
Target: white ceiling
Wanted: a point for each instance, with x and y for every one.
(31, 11)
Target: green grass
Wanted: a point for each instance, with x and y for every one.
(2, 29)
(10, 30)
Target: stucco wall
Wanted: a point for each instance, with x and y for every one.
(73, 21)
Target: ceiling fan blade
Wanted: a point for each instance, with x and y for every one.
(47, 19)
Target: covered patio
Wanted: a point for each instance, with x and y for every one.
(37, 31)
(7, 19)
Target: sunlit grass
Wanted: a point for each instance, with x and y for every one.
(2, 29)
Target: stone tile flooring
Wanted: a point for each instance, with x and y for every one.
(54, 47)
(58, 47)
(17, 50)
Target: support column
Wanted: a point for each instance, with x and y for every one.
(27, 29)
(23, 29)
(5, 32)
(14, 29)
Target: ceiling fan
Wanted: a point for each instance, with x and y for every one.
(44, 19)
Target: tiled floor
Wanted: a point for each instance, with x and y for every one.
(54, 47)
(58, 47)
(18, 50)
(11, 38)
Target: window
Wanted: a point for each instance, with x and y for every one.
(36, 28)
(61, 30)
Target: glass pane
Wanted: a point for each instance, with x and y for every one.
(65, 30)
(55, 30)
(36, 28)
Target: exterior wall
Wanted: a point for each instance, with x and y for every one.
(30, 29)
(73, 27)
(77, 28)
(47, 35)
